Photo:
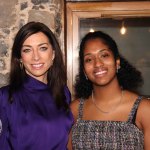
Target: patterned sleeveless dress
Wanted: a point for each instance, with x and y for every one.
(107, 135)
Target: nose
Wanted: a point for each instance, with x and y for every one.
(36, 55)
(98, 62)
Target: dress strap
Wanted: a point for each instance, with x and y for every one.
(80, 110)
(133, 112)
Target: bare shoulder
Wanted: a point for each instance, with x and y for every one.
(144, 113)
(144, 105)
(74, 106)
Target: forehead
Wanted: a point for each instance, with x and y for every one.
(94, 45)
(37, 37)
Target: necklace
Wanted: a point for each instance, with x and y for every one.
(106, 112)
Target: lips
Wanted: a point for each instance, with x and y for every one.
(37, 66)
(100, 72)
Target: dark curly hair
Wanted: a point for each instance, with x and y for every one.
(128, 76)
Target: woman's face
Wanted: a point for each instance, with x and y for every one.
(37, 55)
(99, 63)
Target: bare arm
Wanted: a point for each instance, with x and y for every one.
(74, 109)
(144, 113)
(69, 146)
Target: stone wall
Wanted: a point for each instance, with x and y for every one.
(15, 13)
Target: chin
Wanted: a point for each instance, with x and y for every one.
(101, 84)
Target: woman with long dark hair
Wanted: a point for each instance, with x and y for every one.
(34, 107)
(108, 112)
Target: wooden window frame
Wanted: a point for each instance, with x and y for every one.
(76, 11)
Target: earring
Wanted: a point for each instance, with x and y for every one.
(85, 76)
(21, 65)
(53, 59)
(118, 67)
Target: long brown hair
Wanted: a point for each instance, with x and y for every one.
(56, 75)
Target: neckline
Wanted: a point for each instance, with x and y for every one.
(130, 115)
(34, 84)
(108, 122)
(112, 109)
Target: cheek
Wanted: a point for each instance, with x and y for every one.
(112, 67)
(110, 62)
(48, 57)
(25, 58)
(88, 68)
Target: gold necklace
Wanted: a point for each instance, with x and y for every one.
(106, 112)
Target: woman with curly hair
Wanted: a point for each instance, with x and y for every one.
(108, 112)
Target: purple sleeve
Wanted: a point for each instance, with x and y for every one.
(68, 95)
(4, 144)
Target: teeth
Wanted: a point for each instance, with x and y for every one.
(37, 65)
(99, 73)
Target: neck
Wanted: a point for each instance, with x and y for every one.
(107, 93)
(111, 107)
(40, 78)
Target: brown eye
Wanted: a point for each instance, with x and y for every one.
(88, 60)
(44, 48)
(26, 50)
(105, 55)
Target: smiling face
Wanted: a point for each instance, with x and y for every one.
(99, 63)
(37, 56)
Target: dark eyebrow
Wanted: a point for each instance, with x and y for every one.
(26, 46)
(43, 44)
(38, 45)
(101, 50)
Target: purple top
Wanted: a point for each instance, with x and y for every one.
(32, 121)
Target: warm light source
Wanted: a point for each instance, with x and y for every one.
(91, 30)
(123, 29)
